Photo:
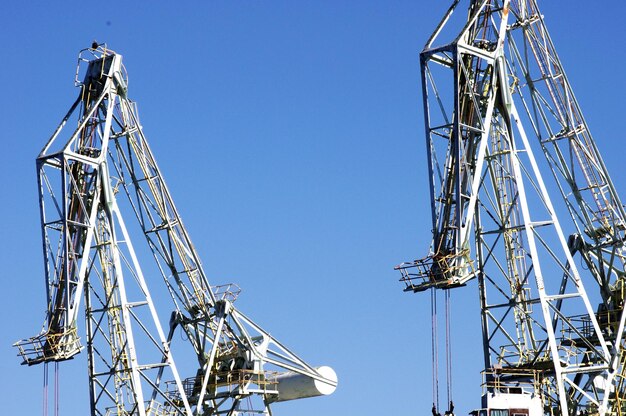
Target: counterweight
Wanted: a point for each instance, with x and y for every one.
(87, 180)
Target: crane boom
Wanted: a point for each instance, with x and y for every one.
(86, 181)
(494, 219)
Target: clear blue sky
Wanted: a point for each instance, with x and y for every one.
(290, 134)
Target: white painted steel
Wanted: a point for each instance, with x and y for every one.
(486, 93)
(89, 254)
(292, 386)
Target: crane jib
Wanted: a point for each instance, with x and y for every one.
(495, 94)
(93, 181)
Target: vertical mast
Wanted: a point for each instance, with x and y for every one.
(487, 93)
(88, 181)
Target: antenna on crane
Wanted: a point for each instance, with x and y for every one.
(90, 179)
(550, 346)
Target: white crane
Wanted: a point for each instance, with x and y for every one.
(550, 277)
(93, 182)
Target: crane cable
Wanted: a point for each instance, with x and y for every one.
(45, 388)
(55, 405)
(448, 351)
(56, 388)
(434, 348)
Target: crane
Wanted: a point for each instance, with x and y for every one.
(99, 186)
(543, 236)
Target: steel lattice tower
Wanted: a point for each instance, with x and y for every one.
(87, 179)
(494, 95)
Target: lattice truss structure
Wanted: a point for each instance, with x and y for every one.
(87, 177)
(551, 282)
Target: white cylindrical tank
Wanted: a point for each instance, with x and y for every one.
(293, 386)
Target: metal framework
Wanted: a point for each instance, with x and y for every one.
(493, 96)
(86, 180)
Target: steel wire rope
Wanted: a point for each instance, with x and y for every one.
(434, 347)
(56, 388)
(183, 335)
(45, 389)
(448, 350)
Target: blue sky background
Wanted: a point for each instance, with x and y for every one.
(290, 134)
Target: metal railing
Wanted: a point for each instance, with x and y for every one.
(439, 270)
(49, 347)
(223, 384)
